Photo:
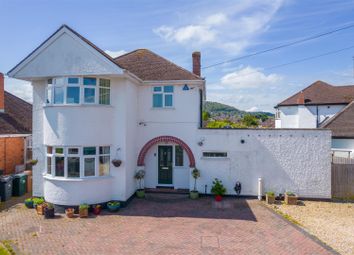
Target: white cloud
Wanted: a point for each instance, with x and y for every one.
(216, 19)
(249, 77)
(21, 89)
(231, 29)
(198, 34)
(253, 109)
(115, 54)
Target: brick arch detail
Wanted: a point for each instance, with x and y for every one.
(168, 139)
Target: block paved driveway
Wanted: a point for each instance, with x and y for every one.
(160, 224)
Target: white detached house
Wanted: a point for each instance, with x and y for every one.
(90, 109)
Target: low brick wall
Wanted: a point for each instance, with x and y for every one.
(11, 153)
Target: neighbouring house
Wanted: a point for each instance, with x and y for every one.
(322, 105)
(144, 111)
(15, 130)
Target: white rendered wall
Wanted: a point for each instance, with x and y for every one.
(289, 117)
(286, 160)
(38, 148)
(305, 116)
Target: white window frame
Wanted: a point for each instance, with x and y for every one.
(50, 90)
(80, 155)
(163, 96)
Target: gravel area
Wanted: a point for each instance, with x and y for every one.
(331, 222)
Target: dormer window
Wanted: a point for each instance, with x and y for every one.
(78, 90)
(162, 97)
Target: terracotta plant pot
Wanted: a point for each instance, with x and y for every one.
(69, 212)
(116, 162)
(290, 199)
(218, 198)
(270, 199)
(40, 208)
(83, 213)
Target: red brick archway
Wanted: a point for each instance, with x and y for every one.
(166, 139)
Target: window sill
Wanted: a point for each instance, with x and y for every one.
(214, 158)
(82, 179)
(163, 108)
(77, 105)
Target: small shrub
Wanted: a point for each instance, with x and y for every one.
(218, 188)
(290, 194)
(113, 203)
(195, 175)
(38, 200)
(270, 193)
(83, 206)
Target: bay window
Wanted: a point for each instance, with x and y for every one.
(76, 162)
(78, 90)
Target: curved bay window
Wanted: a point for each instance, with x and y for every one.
(78, 162)
(78, 90)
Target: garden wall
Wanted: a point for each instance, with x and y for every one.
(297, 160)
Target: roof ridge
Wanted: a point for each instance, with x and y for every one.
(337, 115)
(128, 53)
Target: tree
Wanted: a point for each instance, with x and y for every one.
(250, 121)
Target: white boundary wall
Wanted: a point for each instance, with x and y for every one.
(287, 160)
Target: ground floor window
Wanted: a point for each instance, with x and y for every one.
(76, 162)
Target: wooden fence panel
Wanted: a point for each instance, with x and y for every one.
(342, 180)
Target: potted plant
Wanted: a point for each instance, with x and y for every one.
(37, 201)
(113, 206)
(29, 202)
(40, 208)
(194, 193)
(83, 210)
(218, 189)
(270, 197)
(116, 162)
(49, 211)
(96, 209)
(69, 212)
(32, 162)
(140, 193)
(290, 198)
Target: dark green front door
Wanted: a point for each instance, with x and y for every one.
(165, 165)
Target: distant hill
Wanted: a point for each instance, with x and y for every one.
(218, 110)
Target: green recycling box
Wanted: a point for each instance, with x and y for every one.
(19, 184)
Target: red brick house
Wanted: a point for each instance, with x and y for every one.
(15, 129)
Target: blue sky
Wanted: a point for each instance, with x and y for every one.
(221, 30)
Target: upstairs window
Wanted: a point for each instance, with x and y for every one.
(78, 90)
(162, 97)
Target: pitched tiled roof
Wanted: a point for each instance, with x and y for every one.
(320, 92)
(342, 124)
(17, 117)
(149, 66)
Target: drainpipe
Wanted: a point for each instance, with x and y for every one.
(317, 121)
(260, 188)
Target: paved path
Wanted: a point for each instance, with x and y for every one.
(160, 224)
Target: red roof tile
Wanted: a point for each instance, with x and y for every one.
(320, 92)
(342, 124)
(149, 66)
(17, 117)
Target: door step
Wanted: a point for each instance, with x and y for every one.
(169, 190)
